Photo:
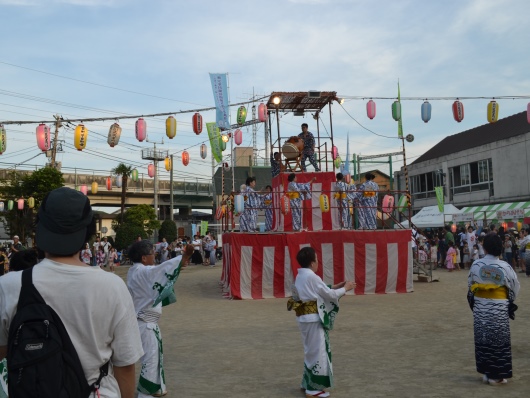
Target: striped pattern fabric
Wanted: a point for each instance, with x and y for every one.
(490, 211)
(257, 266)
(312, 217)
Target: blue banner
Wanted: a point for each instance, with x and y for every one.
(220, 96)
(193, 230)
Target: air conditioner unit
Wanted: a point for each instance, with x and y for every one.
(314, 94)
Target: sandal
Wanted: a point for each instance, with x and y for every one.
(312, 393)
(497, 382)
(159, 394)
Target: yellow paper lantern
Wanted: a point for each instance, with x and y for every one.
(493, 111)
(31, 202)
(94, 189)
(324, 203)
(80, 137)
(171, 127)
(167, 163)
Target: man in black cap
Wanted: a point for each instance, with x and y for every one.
(94, 305)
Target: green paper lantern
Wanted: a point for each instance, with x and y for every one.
(10, 205)
(402, 203)
(134, 175)
(396, 110)
(241, 115)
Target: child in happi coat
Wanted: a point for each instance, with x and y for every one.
(450, 258)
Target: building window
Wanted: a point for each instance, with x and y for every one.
(471, 177)
(422, 185)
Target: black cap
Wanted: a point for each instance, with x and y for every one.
(63, 218)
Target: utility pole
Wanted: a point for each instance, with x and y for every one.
(58, 124)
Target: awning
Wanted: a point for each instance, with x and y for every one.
(490, 211)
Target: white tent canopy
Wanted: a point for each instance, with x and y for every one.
(430, 217)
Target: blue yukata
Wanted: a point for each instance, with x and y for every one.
(341, 196)
(267, 205)
(366, 197)
(308, 152)
(250, 215)
(298, 192)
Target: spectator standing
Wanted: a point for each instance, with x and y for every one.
(86, 254)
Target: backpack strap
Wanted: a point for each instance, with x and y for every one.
(103, 371)
(28, 292)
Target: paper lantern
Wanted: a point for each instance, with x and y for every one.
(527, 115)
(262, 112)
(109, 184)
(238, 137)
(204, 151)
(388, 204)
(334, 152)
(221, 210)
(226, 166)
(241, 115)
(347, 178)
(151, 170)
(167, 163)
(285, 204)
(3, 139)
(10, 205)
(20, 204)
(171, 127)
(426, 111)
(83, 189)
(134, 175)
(119, 180)
(402, 203)
(31, 202)
(114, 135)
(222, 143)
(80, 137)
(370, 109)
(396, 110)
(324, 203)
(2, 206)
(337, 162)
(43, 137)
(94, 188)
(140, 129)
(185, 158)
(458, 111)
(239, 204)
(196, 121)
(453, 228)
(493, 111)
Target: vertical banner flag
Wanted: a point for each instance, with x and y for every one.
(204, 227)
(213, 134)
(193, 230)
(440, 198)
(220, 96)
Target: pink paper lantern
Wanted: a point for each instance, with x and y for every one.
(238, 137)
(84, 189)
(370, 109)
(151, 170)
(20, 204)
(141, 129)
(334, 152)
(43, 137)
(262, 112)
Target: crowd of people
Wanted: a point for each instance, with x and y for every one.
(442, 248)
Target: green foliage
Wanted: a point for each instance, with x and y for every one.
(25, 185)
(168, 230)
(125, 171)
(126, 234)
(142, 216)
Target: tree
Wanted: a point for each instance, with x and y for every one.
(125, 171)
(25, 185)
(126, 234)
(142, 216)
(168, 230)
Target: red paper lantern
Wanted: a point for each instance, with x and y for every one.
(141, 129)
(197, 123)
(334, 152)
(285, 204)
(109, 184)
(458, 111)
(262, 112)
(151, 170)
(370, 109)
(43, 137)
(238, 137)
(185, 158)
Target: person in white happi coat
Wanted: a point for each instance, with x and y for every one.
(151, 288)
(316, 306)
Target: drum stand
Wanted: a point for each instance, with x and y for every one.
(296, 162)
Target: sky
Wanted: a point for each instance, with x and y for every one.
(106, 58)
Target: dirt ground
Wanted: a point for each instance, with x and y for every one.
(398, 345)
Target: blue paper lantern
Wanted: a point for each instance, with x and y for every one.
(426, 111)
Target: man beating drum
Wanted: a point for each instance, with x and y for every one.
(309, 147)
